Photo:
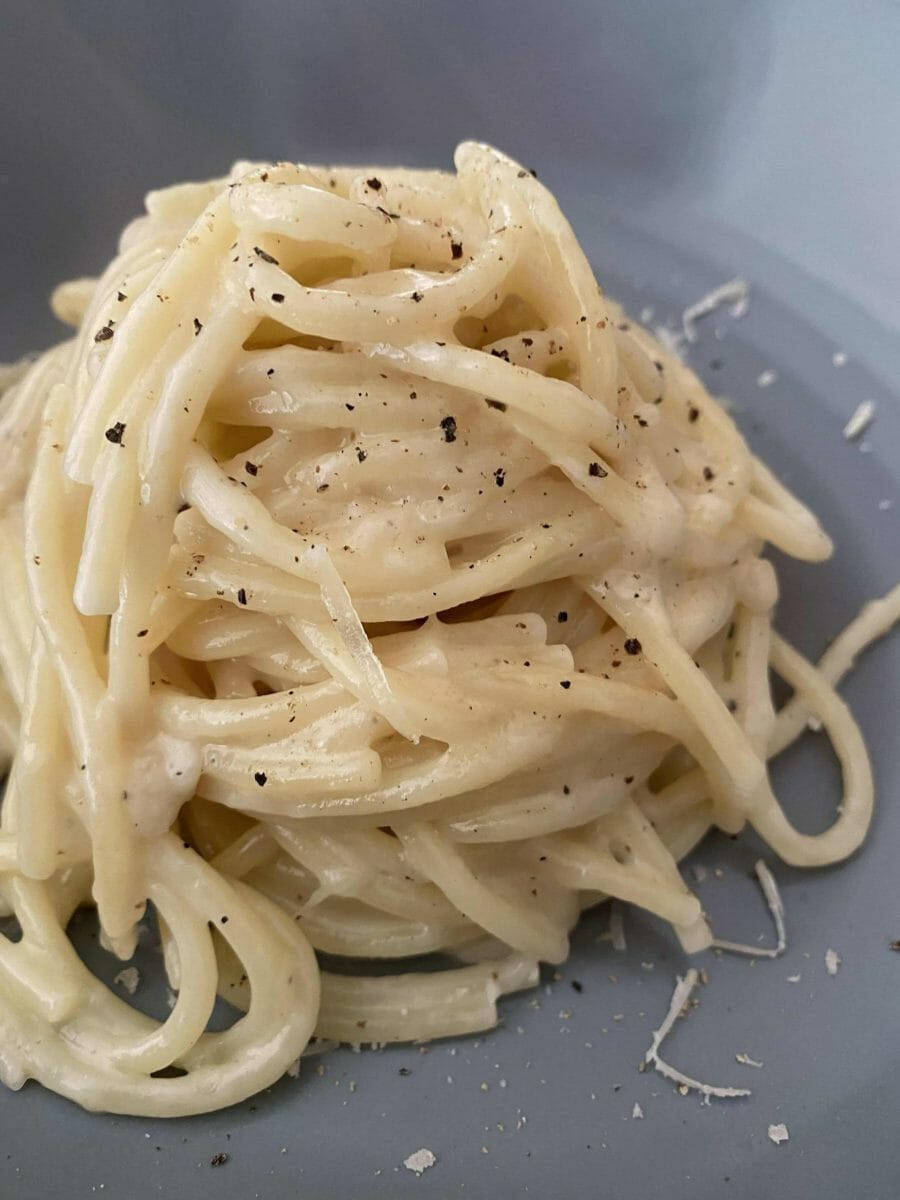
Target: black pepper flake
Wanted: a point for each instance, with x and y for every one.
(349, 407)
(895, 945)
(566, 789)
(120, 296)
(360, 454)
(499, 477)
(629, 779)
(223, 919)
(562, 616)
(142, 632)
(404, 1071)
(323, 487)
(270, 372)
(565, 683)
(527, 341)
(253, 294)
(708, 474)
(732, 706)
(417, 296)
(260, 777)
(456, 249)
(277, 297)
(251, 468)
(448, 424)
(115, 433)
(260, 253)
(504, 354)
(197, 326)
(693, 413)
(219, 1160)
(242, 595)
(632, 646)
(577, 986)
(374, 183)
(104, 334)
(498, 404)
(597, 471)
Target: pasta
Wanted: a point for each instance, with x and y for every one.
(373, 588)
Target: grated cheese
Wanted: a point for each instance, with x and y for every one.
(832, 961)
(766, 378)
(129, 979)
(776, 908)
(680, 998)
(839, 359)
(671, 339)
(778, 1134)
(747, 1061)
(860, 421)
(420, 1161)
(735, 292)
(637, 1113)
(617, 927)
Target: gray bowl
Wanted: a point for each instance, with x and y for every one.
(689, 143)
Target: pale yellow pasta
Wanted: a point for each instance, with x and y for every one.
(371, 589)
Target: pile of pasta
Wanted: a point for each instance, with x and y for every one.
(373, 587)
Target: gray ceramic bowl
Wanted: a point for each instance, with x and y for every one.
(689, 142)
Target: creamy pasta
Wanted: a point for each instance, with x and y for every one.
(373, 587)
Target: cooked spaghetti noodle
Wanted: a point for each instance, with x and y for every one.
(372, 587)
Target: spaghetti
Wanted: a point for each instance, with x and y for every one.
(372, 587)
